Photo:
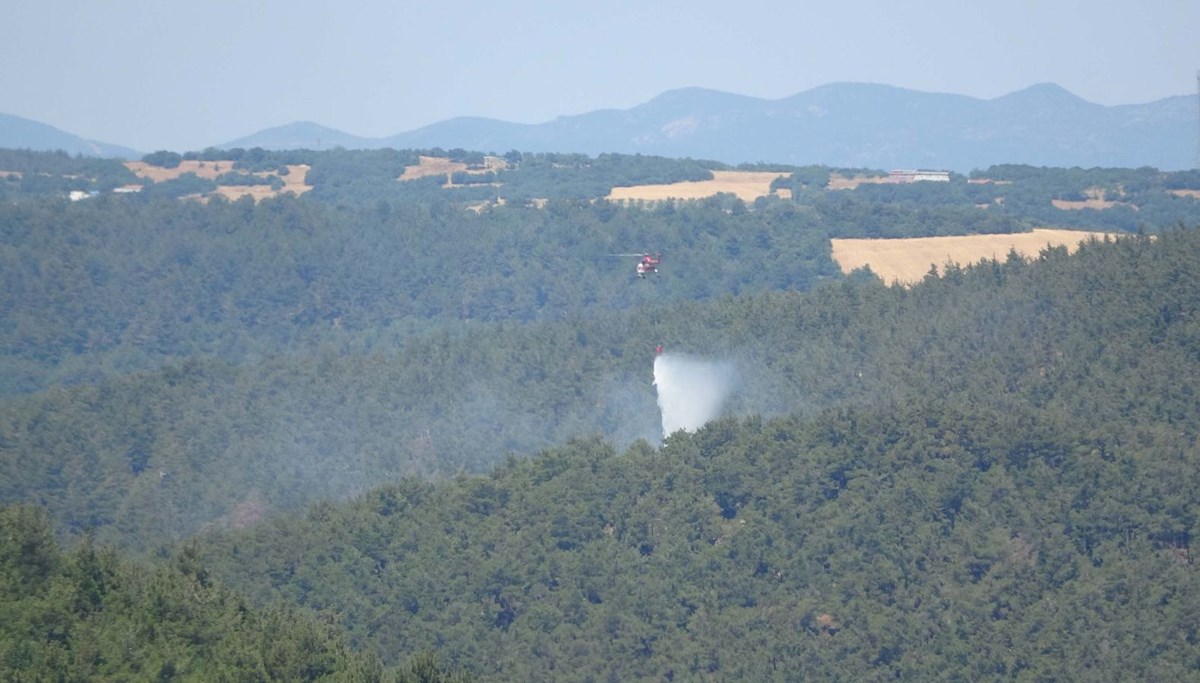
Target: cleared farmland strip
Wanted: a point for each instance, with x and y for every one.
(907, 260)
(747, 185)
(295, 181)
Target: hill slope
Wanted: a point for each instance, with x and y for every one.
(849, 125)
(170, 365)
(20, 133)
(87, 615)
(998, 486)
(301, 135)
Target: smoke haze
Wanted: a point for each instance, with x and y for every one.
(691, 390)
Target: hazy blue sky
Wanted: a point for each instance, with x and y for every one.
(186, 74)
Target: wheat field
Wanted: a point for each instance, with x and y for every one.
(907, 260)
(747, 185)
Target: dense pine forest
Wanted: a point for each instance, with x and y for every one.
(394, 430)
(1001, 488)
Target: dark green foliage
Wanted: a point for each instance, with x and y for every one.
(257, 159)
(187, 184)
(110, 285)
(576, 176)
(62, 164)
(163, 159)
(465, 178)
(152, 457)
(1143, 202)
(1003, 491)
(999, 200)
(1183, 180)
(999, 486)
(805, 178)
(205, 442)
(911, 541)
(86, 615)
(925, 209)
(988, 475)
(38, 174)
(359, 176)
(234, 178)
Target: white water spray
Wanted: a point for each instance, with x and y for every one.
(690, 390)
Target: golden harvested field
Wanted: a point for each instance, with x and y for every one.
(434, 166)
(203, 169)
(1096, 199)
(747, 185)
(839, 182)
(906, 261)
(255, 192)
(1090, 203)
(294, 182)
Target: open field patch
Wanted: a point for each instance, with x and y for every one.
(747, 185)
(202, 169)
(440, 166)
(1194, 194)
(840, 182)
(1095, 198)
(431, 166)
(255, 192)
(1090, 203)
(294, 182)
(907, 260)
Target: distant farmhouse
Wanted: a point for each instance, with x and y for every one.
(79, 195)
(913, 176)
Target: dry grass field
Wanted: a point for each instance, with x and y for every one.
(839, 182)
(1096, 199)
(432, 166)
(906, 261)
(1090, 203)
(435, 166)
(294, 182)
(203, 169)
(747, 185)
(1194, 194)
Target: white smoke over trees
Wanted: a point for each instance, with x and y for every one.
(691, 390)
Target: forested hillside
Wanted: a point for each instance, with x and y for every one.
(109, 286)
(176, 364)
(209, 442)
(1000, 486)
(87, 615)
(120, 283)
(345, 394)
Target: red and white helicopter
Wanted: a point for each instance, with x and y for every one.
(647, 262)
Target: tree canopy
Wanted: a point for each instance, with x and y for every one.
(387, 424)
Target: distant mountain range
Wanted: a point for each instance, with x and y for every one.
(842, 125)
(19, 133)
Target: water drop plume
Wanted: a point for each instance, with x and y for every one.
(691, 390)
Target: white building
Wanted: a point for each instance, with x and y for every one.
(913, 176)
